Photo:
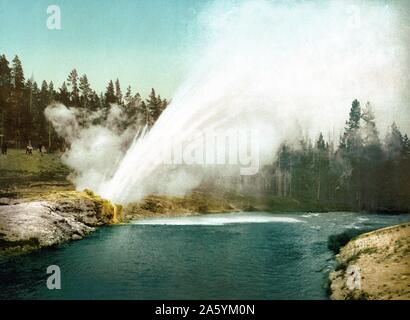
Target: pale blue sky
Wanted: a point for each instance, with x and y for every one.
(143, 43)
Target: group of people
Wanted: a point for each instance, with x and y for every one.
(29, 149)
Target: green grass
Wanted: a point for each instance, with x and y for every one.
(17, 160)
(18, 170)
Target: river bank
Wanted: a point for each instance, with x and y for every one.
(53, 219)
(374, 266)
(43, 214)
(48, 217)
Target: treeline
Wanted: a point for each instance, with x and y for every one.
(364, 172)
(23, 101)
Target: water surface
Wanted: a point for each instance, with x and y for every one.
(219, 256)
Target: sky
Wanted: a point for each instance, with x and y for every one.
(143, 43)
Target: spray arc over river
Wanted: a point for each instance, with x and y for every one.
(277, 71)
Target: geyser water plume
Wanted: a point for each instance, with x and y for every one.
(273, 67)
(285, 69)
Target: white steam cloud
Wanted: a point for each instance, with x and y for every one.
(286, 69)
(94, 150)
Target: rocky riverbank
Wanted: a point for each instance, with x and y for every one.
(45, 219)
(375, 266)
(53, 219)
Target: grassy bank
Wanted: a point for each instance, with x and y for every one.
(382, 261)
(23, 176)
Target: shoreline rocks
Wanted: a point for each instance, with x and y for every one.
(50, 219)
(374, 266)
(53, 220)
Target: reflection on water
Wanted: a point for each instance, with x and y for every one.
(224, 256)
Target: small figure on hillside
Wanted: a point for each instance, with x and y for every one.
(4, 148)
(29, 149)
(41, 149)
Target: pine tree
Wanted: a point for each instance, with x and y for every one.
(133, 109)
(118, 94)
(354, 115)
(17, 99)
(72, 82)
(351, 146)
(154, 106)
(5, 89)
(51, 91)
(110, 94)
(95, 103)
(39, 120)
(128, 96)
(109, 98)
(351, 137)
(5, 80)
(85, 92)
(17, 75)
(63, 95)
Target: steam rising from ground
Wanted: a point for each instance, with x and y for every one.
(94, 149)
(285, 69)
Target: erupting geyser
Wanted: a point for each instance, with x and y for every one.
(283, 69)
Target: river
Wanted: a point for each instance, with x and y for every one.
(219, 256)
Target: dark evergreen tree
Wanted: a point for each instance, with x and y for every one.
(17, 101)
(110, 94)
(63, 95)
(5, 107)
(351, 137)
(118, 93)
(72, 82)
